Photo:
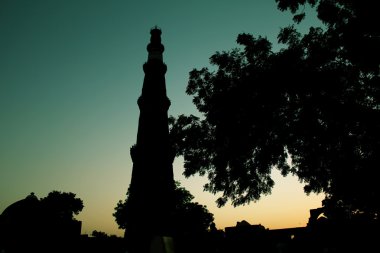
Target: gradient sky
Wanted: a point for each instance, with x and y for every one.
(70, 75)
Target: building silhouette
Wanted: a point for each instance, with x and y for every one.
(150, 203)
(320, 235)
(27, 225)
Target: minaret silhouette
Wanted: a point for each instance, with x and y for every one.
(151, 192)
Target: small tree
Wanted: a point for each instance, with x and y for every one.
(189, 216)
(99, 234)
(62, 205)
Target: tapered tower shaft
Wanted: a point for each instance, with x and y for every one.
(150, 202)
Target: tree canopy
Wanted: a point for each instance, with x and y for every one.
(33, 224)
(310, 109)
(189, 218)
(62, 205)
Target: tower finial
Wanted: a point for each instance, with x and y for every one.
(155, 48)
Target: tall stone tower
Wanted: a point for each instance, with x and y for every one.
(150, 203)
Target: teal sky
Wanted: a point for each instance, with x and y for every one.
(70, 75)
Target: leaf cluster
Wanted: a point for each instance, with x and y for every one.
(62, 205)
(189, 217)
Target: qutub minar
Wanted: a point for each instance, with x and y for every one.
(151, 191)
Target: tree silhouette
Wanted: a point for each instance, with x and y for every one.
(189, 218)
(40, 224)
(310, 109)
(62, 205)
(352, 39)
(352, 24)
(99, 234)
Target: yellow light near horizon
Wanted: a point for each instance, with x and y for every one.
(287, 205)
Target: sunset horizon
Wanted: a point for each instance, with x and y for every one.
(72, 73)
